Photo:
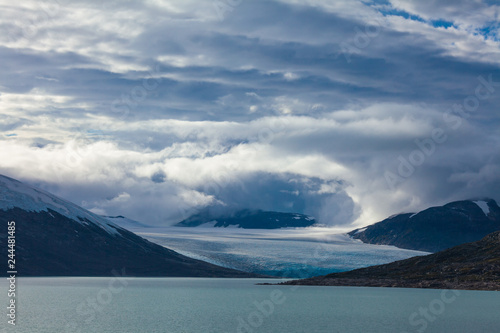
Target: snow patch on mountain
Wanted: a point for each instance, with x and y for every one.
(484, 206)
(210, 224)
(14, 194)
(361, 230)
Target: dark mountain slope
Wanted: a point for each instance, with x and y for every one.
(436, 228)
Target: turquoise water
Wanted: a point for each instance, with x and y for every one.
(94, 305)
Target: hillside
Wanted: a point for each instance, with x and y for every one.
(474, 266)
(436, 228)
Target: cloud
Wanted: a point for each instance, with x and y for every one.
(157, 109)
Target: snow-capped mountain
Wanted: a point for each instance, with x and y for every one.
(55, 237)
(248, 219)
(436, 228)
(14, 194)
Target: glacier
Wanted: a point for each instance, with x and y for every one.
(290, 253)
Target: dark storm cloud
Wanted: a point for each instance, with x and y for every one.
(285, 193)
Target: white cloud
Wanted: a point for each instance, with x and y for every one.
(252, 96)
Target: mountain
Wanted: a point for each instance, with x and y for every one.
(436, 228)
(248, 219)
(474, 266)
(55, 237)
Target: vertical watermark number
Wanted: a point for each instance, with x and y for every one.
(11, 271)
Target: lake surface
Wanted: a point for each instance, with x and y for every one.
(149, 305)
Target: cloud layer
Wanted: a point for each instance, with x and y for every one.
(349, 111)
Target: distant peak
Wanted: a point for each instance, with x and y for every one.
(249, 219)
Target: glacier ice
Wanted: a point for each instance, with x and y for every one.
(296, 253)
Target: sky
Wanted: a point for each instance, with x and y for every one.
(349, 111)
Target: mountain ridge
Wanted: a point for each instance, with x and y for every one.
(249, 219)
(436, 228)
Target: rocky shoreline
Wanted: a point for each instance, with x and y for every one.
(392, 283)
